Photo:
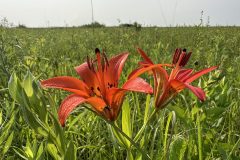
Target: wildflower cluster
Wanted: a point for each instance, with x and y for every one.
(99, 83)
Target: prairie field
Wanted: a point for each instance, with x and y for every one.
(185, 129)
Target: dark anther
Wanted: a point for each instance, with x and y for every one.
(184, 50)
(98, 88)
(92, 88)
(88, 62)
(196, 63)
(110, 85)
(107, 107)
(97, 50)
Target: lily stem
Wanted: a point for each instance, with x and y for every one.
(139, 134)
(145, 155)
(199, 137)
(128, 138)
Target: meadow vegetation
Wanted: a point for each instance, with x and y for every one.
(185, 129)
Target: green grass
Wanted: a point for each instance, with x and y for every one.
(209, 130)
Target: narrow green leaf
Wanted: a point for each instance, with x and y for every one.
(139, 134)
(166, 133)
(215, 112)
(195, 110)
(146, 112)
(6, 129)
(8, 143)
(75, 120)
(0, 116)
(31, 118)
(117, 137)
(21, 153)
(129, 155)
(27, 84)
(39, 152)
(14, 87)
(52, 150)
(179, 112)
(57, 135)
(38, 101)
(29, 152)
(177, 149)
(126, 121)
(71, 152)
(34, 122)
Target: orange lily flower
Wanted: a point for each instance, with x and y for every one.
(167, 86)
(98, 87)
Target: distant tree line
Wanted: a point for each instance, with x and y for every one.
(135, 25)
(4, 23)
(94, 25)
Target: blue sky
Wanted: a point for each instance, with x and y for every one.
(36, 13)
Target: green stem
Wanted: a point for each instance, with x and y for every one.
(233, 148)
(129, 155)
(172, 129)
(145, 155)
(120, 136)
(165, 143)
(199, 137)
(139, 134)
(128, 138)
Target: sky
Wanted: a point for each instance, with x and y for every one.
(44, 13)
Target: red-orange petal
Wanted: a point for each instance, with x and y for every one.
(137, 85)
(170, 89)
(88, 76)
(199, 73)
(157, 67)
(197, 91)
(98, 104)
(67, 83)
(115, 97)
(135, 71)
(67, 105)
(179, 86)
(114, 70)
(144, 56)
(183, 74)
